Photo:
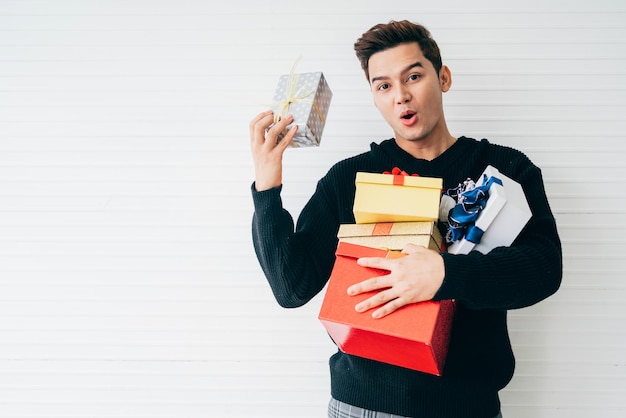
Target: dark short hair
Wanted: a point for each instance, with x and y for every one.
(388, 35)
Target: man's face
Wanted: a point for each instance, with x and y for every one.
(407, 92)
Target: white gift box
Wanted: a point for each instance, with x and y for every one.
(503, 218)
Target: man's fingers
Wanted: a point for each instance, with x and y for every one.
(376, 300)
(259, 125)
(258, 120)
(375, 262)
(264, 130)
(375, 283)
(412, 248)
(390, 307)
(387, 301)
(286, 140)
(274, 131)
(258, 117)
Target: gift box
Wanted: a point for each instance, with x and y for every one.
(396, 198)
(307, 97)
(392, 235)
(415, 336)
(503, 217)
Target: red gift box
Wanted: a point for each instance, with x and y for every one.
(415, 336)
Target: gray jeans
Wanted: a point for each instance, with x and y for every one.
(337, 409)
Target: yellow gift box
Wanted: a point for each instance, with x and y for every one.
(396, 198)
(392, 235)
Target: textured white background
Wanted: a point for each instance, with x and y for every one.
(128, 283)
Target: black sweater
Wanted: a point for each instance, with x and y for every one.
(480, 360)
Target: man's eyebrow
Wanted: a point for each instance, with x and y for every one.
(417, 64)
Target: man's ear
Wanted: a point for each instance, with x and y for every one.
(445, 78)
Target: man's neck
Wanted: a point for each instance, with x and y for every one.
(427, 149)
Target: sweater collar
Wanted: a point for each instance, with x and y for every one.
(389, 151)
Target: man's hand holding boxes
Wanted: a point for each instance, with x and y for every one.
(392, 210)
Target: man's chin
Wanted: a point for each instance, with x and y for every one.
(412, 137)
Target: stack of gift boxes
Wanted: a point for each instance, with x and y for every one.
(394, 209)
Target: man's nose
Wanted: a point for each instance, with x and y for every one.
(402, 95)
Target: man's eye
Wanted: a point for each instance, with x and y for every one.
(383, 86)
(414, 76)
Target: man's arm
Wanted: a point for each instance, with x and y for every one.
(506, 278)
(296, 262)
(512, 277)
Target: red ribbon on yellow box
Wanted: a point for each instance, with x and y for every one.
(398, 175)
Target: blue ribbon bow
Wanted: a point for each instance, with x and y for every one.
(463, 215)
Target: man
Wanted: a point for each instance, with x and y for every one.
(403, 66)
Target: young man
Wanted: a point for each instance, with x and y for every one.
(403, 66)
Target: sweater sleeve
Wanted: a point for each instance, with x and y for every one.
(512, 277)
(296, 261)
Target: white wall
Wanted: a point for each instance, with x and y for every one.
(128, 283)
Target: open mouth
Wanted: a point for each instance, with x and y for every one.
(408, 117)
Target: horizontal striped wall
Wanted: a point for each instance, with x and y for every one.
(128, 283)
